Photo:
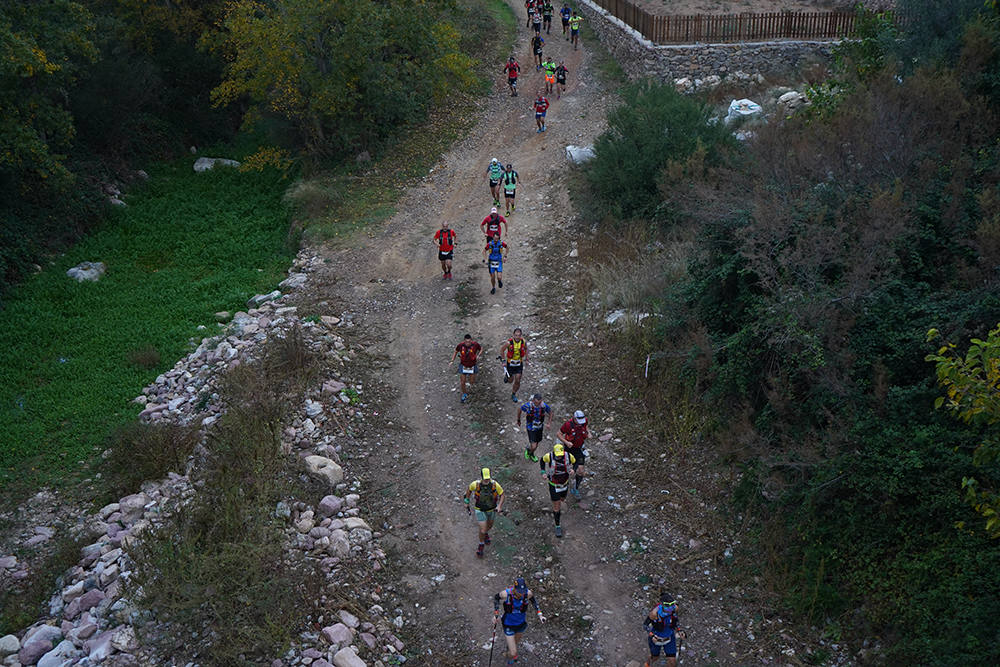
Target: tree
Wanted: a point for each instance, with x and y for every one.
(345, 73)
(43, 46)
(972, 385)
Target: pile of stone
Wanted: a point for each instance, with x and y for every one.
(90, 622)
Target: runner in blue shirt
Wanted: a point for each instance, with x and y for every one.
(565, 13)
(497, 250)
(514, 620)
(535, 411)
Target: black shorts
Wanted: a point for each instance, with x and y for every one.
(538, 52)
(561, 81)
(508, 194)
(445, 255)
(557, 495)
(511, 82)
(565, 21)
(547, 19)
(493, 183)
(514, 370)
(536, 435)
(577, 453)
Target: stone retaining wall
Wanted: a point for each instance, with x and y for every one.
(641, 58)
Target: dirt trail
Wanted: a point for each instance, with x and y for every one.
(440, 444)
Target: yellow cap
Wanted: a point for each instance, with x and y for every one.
(558, 450)
(486, 473)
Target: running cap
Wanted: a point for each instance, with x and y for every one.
(494, 209)
(494, 161)
(580, 417)
(510, 166)
(558, 450)
(520, 587)
(485, 473)
(536, 397)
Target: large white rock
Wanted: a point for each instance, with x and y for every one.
(742, 109)
(87, 271)
(9, 645)
(59, 656)
(348, 657)
(324, 468)
(580, 154)
(205, 163)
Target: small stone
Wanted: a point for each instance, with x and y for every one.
(9, 645)
(99, 648)
(324, 468)
(329, 320)
(353, 523)
(8, 562)
(204, 164)
(124, 639)
(329, 505)
(368, 639)
(338, 634)
(74, 591)
(91, 599)
(132, 507)
(349, 619)
(58, 656)
(348, 657)
(32, 650)
(87, 271)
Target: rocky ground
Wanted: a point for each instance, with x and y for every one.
(385, 434)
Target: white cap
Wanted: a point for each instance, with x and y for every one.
(493, 210)
(580, 417)
(494, 160)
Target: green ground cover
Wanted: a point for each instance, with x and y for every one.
(188, 245)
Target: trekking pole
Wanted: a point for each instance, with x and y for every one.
(494, 640)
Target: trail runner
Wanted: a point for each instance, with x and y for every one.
(555, 466)
(515, 354)
(661, 631)
(497, 250)
(536, 20)
(492, 223)
(488, 499)
(512, 69)
(493, 173)
(514, 620)
(549, 68)
(529, 5)
(561, 73)
(537, 42)
(468, 353)
(574, 29)
(535, 411)
(509, 182)
(573, 433)
(541, 106)
(547, 11)
(565, 13)
(444, 238)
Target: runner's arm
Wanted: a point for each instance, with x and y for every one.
(500, 501)
(455, 354)
(561, 437)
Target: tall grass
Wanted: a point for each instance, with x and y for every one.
(188, 245)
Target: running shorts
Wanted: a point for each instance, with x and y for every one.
(565, 21)
(442, 256)
(535, 435)
(511, 630)
(561, 79)
(509, 194)
(669, 649)
(514, 370)
(512, 81)
(555, 495)
(538, 51)
(468, 370)
(485, 516)
(549, 78)
(493, 183)
(540, 114)
(577, 453)
(496, 266)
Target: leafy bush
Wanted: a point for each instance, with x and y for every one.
(654, 128)
(141, 452)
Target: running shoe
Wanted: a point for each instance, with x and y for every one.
(558, 531)
(576, 492)
(513, 397)
(465, 397)
(527, 455)
(499, 283)
(479, 550)
(493, 290)
(488, 540)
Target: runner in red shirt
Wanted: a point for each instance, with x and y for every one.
(468, 352)
(541, 106)
(444, 238)
(573, 434)
(491, 224)
(512, 69)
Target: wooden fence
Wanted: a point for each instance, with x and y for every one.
(720, 28)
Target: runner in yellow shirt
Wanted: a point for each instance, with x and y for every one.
(574, 29)
(488, 499)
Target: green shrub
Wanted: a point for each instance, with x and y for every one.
(654, 127)
(141, 452)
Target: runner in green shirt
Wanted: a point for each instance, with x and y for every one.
(574, 29)
(549, 67)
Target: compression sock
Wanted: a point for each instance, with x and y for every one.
(557, 515)
(578, 480)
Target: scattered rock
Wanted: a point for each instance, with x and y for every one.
(338, 634)
(263, 298)
(742, 109)
(204, 164)
(580, 154)
(293, 281)
(9, 645)
(349, 619)
(59, 656)
(323, 468)
(133, 506)
(329, 506)
(87, 271)
(348, 657)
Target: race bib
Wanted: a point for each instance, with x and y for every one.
(494, 265)
(468, 371)
(559, 488)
